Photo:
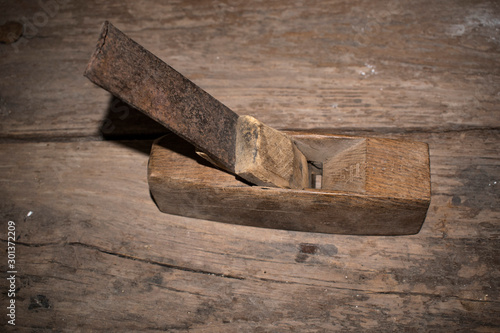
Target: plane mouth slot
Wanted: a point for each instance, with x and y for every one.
(316, 181)
(335, 163)
(315, 174)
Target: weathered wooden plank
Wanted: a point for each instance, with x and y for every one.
(342, 64)
(93, 222)
(72, 286)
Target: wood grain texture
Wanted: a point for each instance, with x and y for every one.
(393, 199)
(268, 157)
(397, 168)
(104, 257)
(346, 170)
(96, 254)
(321, 64)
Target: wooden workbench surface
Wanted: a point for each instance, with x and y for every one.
(94, 253)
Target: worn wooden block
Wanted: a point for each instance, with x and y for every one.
(368, 187)
(268, 157)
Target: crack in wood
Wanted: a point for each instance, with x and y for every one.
(179, 290)
(193, 270)
(33, 244)
(130, 257)
(152, 262)
(396, 293)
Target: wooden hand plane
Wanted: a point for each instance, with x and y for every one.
(224, 167)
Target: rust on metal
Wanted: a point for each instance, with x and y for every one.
(139, 78)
